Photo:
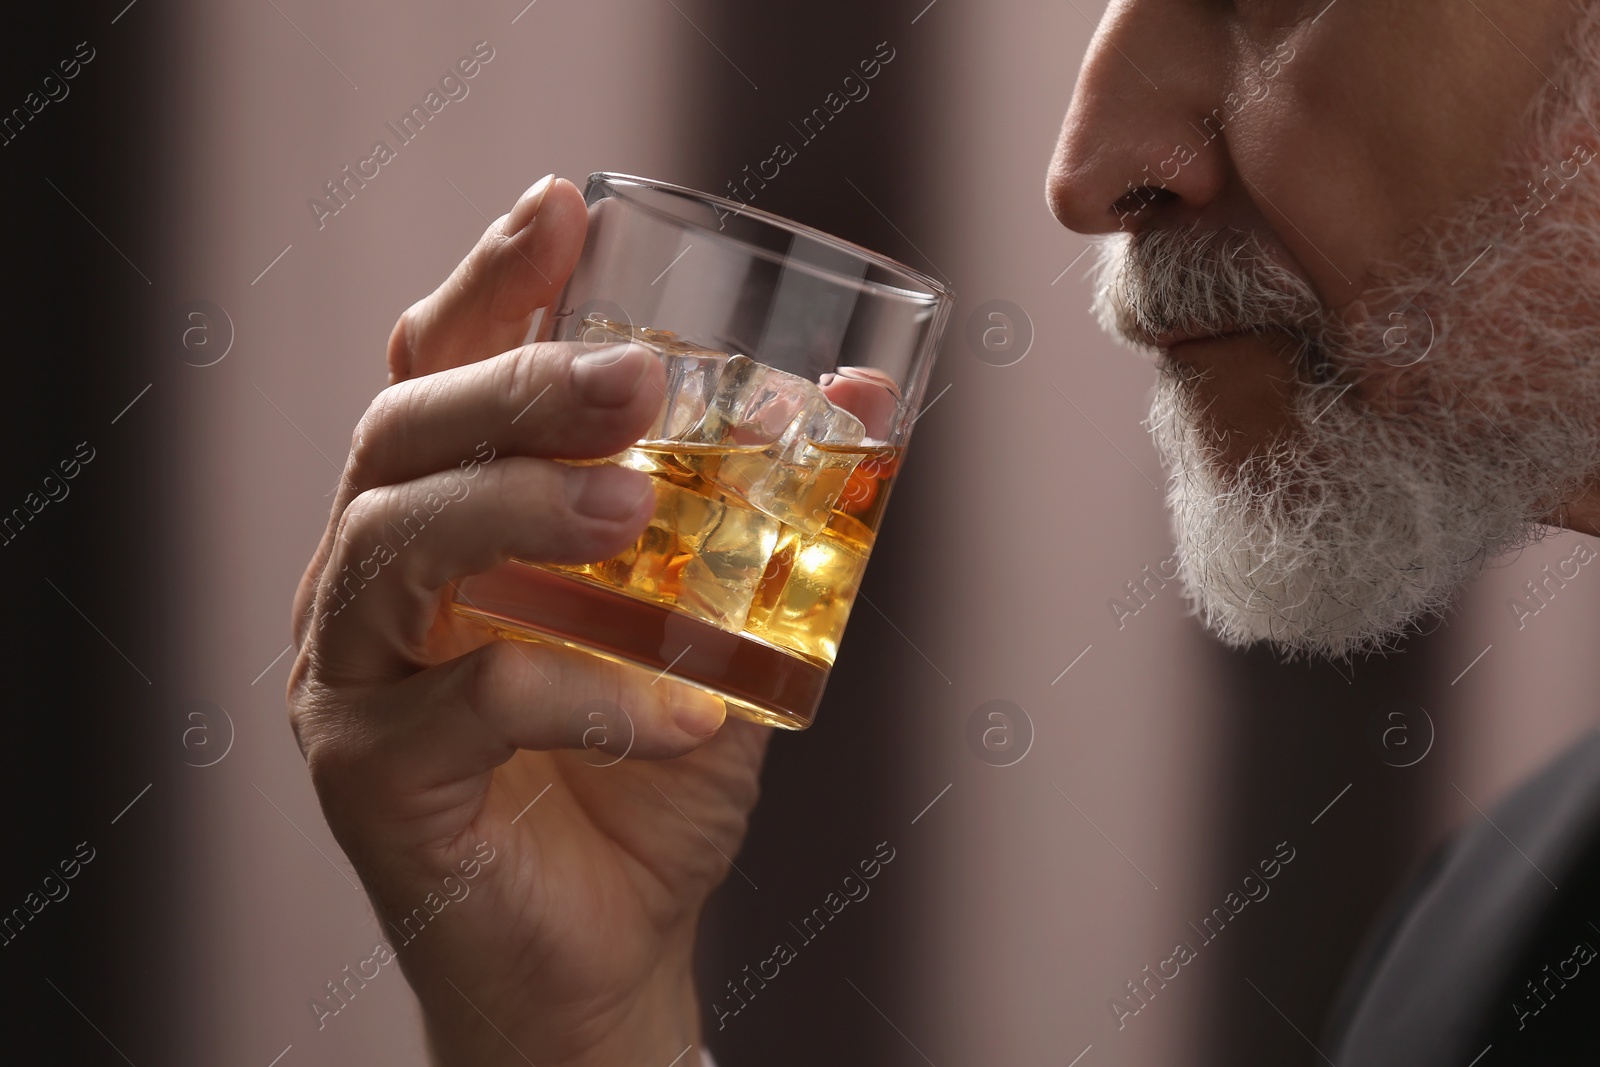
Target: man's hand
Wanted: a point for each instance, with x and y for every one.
(561, 932)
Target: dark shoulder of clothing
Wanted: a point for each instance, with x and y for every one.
(1490, 957)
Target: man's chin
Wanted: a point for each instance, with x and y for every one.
(1337, 635)
(1301, 549)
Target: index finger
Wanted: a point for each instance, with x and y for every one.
(486, 305)
(591, 403)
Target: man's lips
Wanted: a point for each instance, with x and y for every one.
(1174, 339)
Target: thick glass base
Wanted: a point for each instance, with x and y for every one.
(759, 682)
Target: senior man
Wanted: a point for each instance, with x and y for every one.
(1361, 238)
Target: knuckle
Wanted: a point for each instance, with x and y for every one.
(400, 354)
(494, 243)
(299, 725)
(491, 240)
(329, 764)
(549, 524)
(365, 513)
(372, 439)
(503, 486)
(525, 375)
(314, 725)
(305, 724)
(523, 481)
(492, 678)
(327, 720)
(546, 526)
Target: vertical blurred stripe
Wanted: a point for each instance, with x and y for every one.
(88, 679)
(818, 112)
(276, 99)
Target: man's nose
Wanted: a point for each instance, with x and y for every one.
(1133, 148)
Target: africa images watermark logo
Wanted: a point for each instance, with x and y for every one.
(853, 88)
(452, 88)
(855, 889)
(1140, 990)
(453, 889)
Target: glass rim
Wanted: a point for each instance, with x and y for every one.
(940, 292)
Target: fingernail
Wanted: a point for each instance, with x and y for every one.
(609, 377)
(606, 492)
(699, 714)
(870, 376)
(528, 204)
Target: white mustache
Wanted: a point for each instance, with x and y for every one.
(1189, 281)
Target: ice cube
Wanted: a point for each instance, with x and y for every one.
(692, 373)
(789, 446)
(691, 382)
(809, 588)
(719, 582)
(704, 555)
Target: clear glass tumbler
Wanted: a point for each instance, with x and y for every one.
(795, 364)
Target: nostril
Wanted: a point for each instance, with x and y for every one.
(1136, 201)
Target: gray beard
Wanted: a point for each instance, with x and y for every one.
(1400, 480)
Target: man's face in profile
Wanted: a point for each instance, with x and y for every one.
(1361, 236)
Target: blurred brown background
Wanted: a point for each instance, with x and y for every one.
(1161, 767)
